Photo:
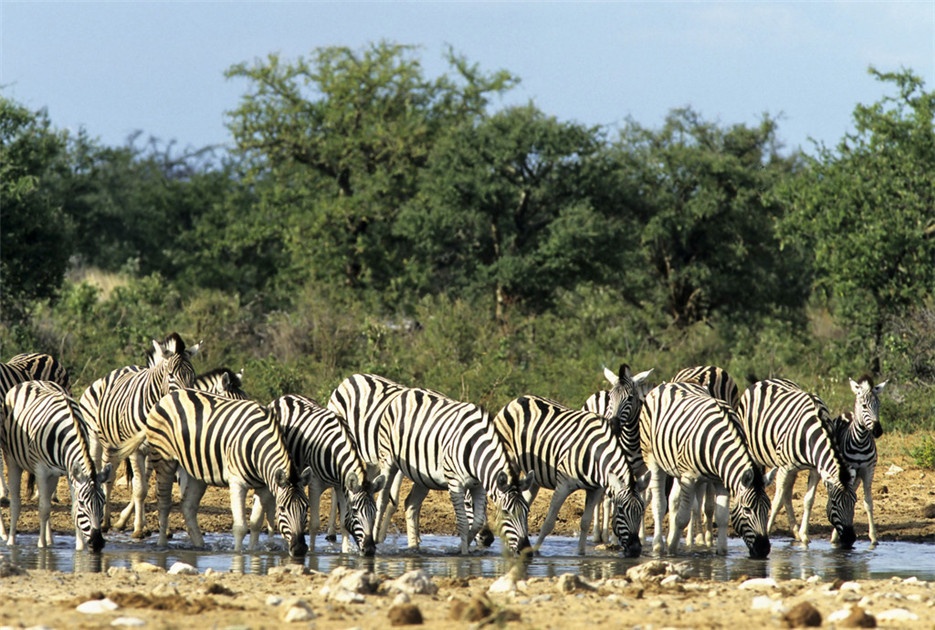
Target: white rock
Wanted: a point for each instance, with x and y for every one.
(849, 586)
(893, 470)
(814, 579)
(672, 579)
(273, 600)
(503, 584)
(414, 583)
(97, 606)
(146, 567)
(759, 583)
(345, 596)
(897, 614)
(355, 581)
(402, 598)
(128, 621)
(840, 614)
(761, 602)
(298, 610)
(182, 568)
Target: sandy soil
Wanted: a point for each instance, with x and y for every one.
(904, 511)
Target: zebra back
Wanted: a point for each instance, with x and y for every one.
(362, 400)
(40, 367)
(716, 380)
(42, 427)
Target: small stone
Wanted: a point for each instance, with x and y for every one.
(929, 511)
(182, 568)
(761, 602)
(503, 584)
(165, 590)
(803, 615)
(146, 567)
(859, 618)
(654, 571)
(288, 569)
(345, 596)
(273, 600)
(475, 610)
(849, 586)
(133, 622)
(402, 598)
(893, 470)
(672, 579)
(414, 583)
(297, 610)
(571, 583)
(405, 615)
(97, 606)
(759, 583)
(897, 614)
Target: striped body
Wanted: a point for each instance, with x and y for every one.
(44, 433)
(116, 407)
(30, 366)
(855, 434)
(720, 384)
(443, 444)
(790, 429)
(319, 439)
(216, 441)
(689, 435)
(568, 450)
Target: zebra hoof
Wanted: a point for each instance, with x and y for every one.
(485, 537)
(5, 502)
(331, 538)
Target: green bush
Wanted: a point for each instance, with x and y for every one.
(924, 453)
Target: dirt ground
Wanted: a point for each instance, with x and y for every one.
(904, 501)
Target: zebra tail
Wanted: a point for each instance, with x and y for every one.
(137, 442)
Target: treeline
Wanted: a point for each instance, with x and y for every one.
(366, 217)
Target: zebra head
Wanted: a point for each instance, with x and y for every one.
(867, 405)
(507, 494)
(173, 361)
(88, 506)
(749, 512)
(841, 502)
(625, 396)
(626, 492)
(361, 514)
(292, 508)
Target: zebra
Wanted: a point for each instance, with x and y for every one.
(567, 450)
(856, 434)
(217, 441)
(30, 366)
(690, 435)
(444, 444)
(43, 432)
(116, 405)
(318, 438)
(223, 382)
(790, 429)
(621, 405)
(720, 385)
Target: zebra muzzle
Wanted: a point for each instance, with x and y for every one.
(369, 548)
(760, 547)
(847, 537)
(298, 548)
(633, 547)
(96, 540)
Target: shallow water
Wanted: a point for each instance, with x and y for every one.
(439, 557)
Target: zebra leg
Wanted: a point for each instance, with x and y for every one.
(45, 483)
(592, 502)
(658, 497)
(694, 518)
(710, 505)
(388, 501)
(413, 507)
(480, 531)
(16, 479)
(783, 497)
(721, 509)
(263, 498)
(465, 531)
(866, 475)
(315, 489)
(194, 490)
(238, 496)
(809, 499)
(136, 506)
(165, 477)
(332, 533)
(680, 508)
(257, 517)
(558, 498)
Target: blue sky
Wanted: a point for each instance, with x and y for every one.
(117, 67)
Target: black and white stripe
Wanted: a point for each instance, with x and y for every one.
(568, 450)
(116, 405)
(689, 435)
(43, 433)
(444, 444)
(223, 382)
(790, 429)
(620, 405)
(217, 441)
(318, 438)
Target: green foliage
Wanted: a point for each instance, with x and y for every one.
(924, 453)
(35, 239)
(865, 210)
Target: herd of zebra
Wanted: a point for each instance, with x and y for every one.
(693, 445)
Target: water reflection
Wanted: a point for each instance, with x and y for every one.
(439, 557)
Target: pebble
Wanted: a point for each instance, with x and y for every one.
(182, 568)
(273, 600)
(404, 615)
(146, 567)
(415, 583)
(97, 606)
(128, 621)
(897, 614)
(297, 610)
(503, 584)
(803, 615)
(759, 583)
(571, 583)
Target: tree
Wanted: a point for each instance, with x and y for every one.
(707, 241)
(866, 211)
(335, 143)
(505, 209)
(35, 241)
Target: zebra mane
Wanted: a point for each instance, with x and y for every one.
(866, 378)
(233, 376)
(173, 343)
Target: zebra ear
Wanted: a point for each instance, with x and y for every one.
(77, 474)
(351, 482)
(526, 482)
(305, 477)
(610, 376)
(855, 386)
(104, 475)
(194, 349)
(879, 388)
(377, 484)
(282, 478)
(503, 482)
(158, 352)
(642, 376)
(643, 482)
(746, 479)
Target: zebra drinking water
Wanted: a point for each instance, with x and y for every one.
(43, 432)
(690, 435)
